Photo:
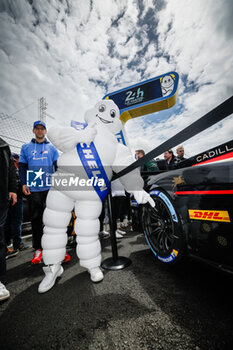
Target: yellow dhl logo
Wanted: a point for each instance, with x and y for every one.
(211, 215)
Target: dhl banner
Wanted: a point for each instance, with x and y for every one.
(211, 215)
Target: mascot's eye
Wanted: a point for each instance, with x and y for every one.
(102, 108)
(113, 113)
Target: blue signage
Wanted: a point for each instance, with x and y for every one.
(137, 94)
(146, 97)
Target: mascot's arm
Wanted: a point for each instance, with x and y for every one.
(132, 182)
(66, 138)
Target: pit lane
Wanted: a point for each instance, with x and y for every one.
(148, 305)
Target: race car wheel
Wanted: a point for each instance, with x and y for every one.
(163, 229)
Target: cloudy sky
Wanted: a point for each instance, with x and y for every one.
(74, 52)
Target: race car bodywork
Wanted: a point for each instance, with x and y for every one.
(193, 212)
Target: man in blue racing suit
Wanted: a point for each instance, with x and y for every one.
(38, 160)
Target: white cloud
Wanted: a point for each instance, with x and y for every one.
(73, 52)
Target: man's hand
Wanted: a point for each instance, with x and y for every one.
(143, 197)
(13, 197)
(26, 190)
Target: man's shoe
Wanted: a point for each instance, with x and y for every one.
(11, 252)
(51, 274)
(37, 257)
(4, 293)
(24, 246)
(121, 232)
(67, 258)
(104, 234)
(96, 274)
(118, 235)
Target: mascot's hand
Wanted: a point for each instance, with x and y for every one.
(69, 137)
(87, 135)
(143, 197)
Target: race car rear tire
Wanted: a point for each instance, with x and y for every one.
(163, 229)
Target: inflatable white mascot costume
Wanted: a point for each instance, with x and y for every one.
(87, 160)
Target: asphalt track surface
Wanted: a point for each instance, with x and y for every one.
(147, 305)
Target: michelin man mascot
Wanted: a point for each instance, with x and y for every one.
(90, 153)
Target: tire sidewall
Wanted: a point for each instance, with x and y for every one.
(178, 246)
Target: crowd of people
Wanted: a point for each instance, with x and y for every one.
(171, 160)
(39, 156)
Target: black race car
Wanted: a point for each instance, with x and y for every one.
(193, 212)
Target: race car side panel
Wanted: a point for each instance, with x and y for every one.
(203, 197)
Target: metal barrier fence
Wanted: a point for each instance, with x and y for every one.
(15, 132)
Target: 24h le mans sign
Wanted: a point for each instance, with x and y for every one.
(149, 96)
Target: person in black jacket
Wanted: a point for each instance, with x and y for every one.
(170, 159)
(13, 228)
(8, 189)
(180, 154)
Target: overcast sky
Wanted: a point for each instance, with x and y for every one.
(74, 52)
